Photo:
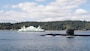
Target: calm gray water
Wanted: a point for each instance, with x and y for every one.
(32, 41)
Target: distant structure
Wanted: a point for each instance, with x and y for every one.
(31, 29)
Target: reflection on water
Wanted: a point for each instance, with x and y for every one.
(32, 41)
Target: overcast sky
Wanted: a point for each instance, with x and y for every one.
(44, 10)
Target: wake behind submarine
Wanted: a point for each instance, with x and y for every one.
(69, 34)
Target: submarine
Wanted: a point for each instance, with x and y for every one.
(69, 34)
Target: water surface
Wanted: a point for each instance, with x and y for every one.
(32, 41)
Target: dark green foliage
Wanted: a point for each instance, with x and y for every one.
(5, 26)
(54, 25)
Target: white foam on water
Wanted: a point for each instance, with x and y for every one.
(48, 36)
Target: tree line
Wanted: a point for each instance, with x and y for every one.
(53, 25)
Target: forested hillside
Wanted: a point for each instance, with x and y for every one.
(55, 25)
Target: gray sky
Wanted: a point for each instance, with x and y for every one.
(44, 10)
